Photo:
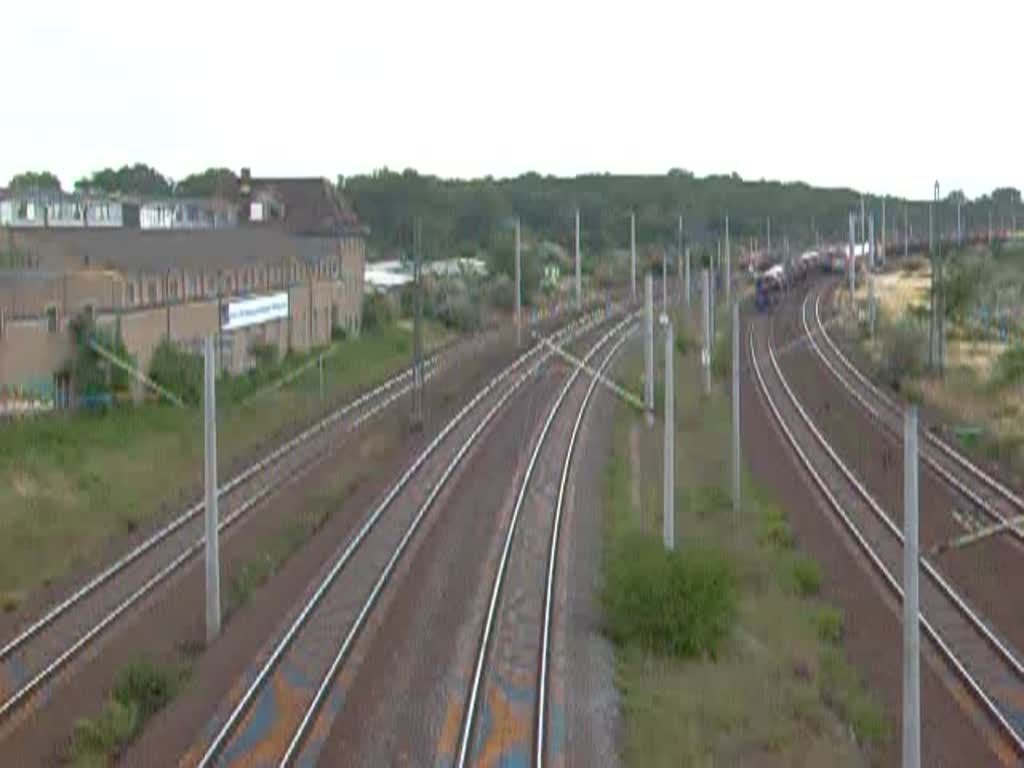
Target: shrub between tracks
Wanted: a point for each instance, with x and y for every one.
(680, 606)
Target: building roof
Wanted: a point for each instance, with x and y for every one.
(311, 206)
(151, 251)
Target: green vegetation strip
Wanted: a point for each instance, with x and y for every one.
(70, 484)
(726, 653)
(141, 690)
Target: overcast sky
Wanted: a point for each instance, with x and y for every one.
(880, 95)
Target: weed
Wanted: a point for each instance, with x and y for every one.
(841, 689)
(140, 691)
(11, 601)
(775, 530)
(829, 623)
(802, 576)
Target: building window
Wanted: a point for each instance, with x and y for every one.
(89, 311)
(172, 289)
(256, 212)
(131, 294)
(51, 319)
(151, 291)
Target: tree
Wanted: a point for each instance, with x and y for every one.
(138, 179)
(31, 181)
(213, 182)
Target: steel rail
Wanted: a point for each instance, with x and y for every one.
(938, 442)
(972, 684)
(9, 705)
(469, 716)
(174, 525)
(556, 526)
(943, 473)
(344, 649)
(225, 731)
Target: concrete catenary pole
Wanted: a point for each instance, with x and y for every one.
(649, 345)
(664, 281)
(519, 285)
(871, 241)
(911, 572)
(679, 254)
(632, 254)
(212, 516)
(906, 231)
(712, 297)
(686, 276)
(668, 492)
(728, 263)
(320, 370)
(706, 308)
(872, 306)
(736, 500)
(882, 251)
(417, 336)
(959, 225)
(851, 265)
(863, 234)
(579, 279)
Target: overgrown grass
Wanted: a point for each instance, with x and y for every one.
(737, 662)
(140, 691)
(70, 484)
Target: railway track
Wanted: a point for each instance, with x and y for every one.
(987, 494)
(276, 711)
(988, 669)
(509, 684)
(49, 644)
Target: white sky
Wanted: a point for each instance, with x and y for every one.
(839, 94)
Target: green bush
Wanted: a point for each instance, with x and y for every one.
(178, 371)
(903, 348)
(378, 311)
(1009, 366)
(829, 622)
(679, 604)
(140, 690)
(265, 355)
(685, 344)
(803, 576)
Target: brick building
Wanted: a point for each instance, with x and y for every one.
(171, 274)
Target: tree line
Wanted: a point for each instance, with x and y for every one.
(469, 216)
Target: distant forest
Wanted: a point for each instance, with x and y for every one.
(468, 216)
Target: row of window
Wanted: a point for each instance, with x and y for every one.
(199, 285)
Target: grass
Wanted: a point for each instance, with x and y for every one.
(751, 671)
(141, 690)
(68, 485)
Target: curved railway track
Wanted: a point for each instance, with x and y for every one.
(515, 639)
(275, 711)
(47, 645)
(987, 668)
(988, 494)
